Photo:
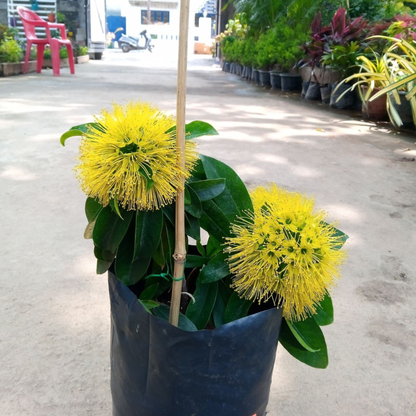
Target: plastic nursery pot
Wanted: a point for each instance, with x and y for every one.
(347, 101)
(377, 109)
(248, 72)
(264, 78)
(255, 77)
(158, 369)
(305, 86)
(326, 93)
(291, 82)
(223, 65)
(404, 109)
(238, 69)
(313, 92)
(275, 80)
(227, 67)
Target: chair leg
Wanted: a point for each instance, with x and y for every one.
(71, 58)
(55, 58)
(27, 56)
(41, 49)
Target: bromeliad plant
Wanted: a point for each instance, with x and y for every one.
(265, 249)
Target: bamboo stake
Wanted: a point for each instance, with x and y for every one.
(180, 247)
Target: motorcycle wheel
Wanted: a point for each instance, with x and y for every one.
(125, 48)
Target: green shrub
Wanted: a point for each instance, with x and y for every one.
(266, 50)
(227, 47)
(10, 51)
(63, 53)
(3, 30)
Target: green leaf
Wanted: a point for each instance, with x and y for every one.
(198, 172)
(196, 129)
(200, 248)
(214, 221)
(236, 308)
(147, 175)
(149, 292)
(213, 246)
(215, 270)
(324, 312)
(200, 311)
(208, 189)
(184, 323)
(114, 206)
(294, 327)
(223, 297)
(194, 206)
(235, 199)
(187, 196)
(92, 209)
(148, 233)
(192, 227)
(195, 261)
(103, 254)
(316, 340)
(149, 305)
(110, 229)
(127, 270)
(169, 211)
(103, 266)
(79, 131)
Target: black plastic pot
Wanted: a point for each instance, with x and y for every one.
(255, 76)
(227, 67)
(347, 101)
(291, 82)
(243, 72)
(232, 67)
(159, 370)
(264, 77)
(404, 109)
(326, 93)
(223, 65)
(238, 69)
(248, 72)
(313, 92)
(305, 86)
(275, 80)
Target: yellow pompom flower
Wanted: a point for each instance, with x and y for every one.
(284, 251)
(130, 157)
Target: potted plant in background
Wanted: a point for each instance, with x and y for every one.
(237, 284)
(265, 56)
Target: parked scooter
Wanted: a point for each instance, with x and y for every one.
(128, 43)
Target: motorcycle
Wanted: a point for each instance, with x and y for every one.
(128, 43)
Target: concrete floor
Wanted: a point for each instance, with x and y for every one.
(54, 332)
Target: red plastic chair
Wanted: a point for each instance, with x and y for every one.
(30, 21)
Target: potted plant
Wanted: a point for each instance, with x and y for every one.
(265, 56)
(372, 76)
(51, 17)
(10, 56)
(236, 285)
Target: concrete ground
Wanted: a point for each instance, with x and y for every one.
(54, 332)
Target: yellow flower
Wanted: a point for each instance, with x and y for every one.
(129, 157)
(284, 251)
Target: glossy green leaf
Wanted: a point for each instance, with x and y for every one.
(149, 305)
(127, 270)
(208, 189)
(300, 336)
(324, 312)
(114, 206)
(198, 172)
(77, 131)
(200, 248)
(216, 269)
(110, 229)
(148, 232)
(103, 266)
(92, 209)
(200, 311)
(169, 211)
(147, 176)
(149, 292)
(213, 246)
(195, 261)
(235, 199)
(192, 227)
(194, 206)
(236, 308)
(196, 129)
(223, 297)
(184, 323)
(312, 332)
(103, 254)
(214, 221)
